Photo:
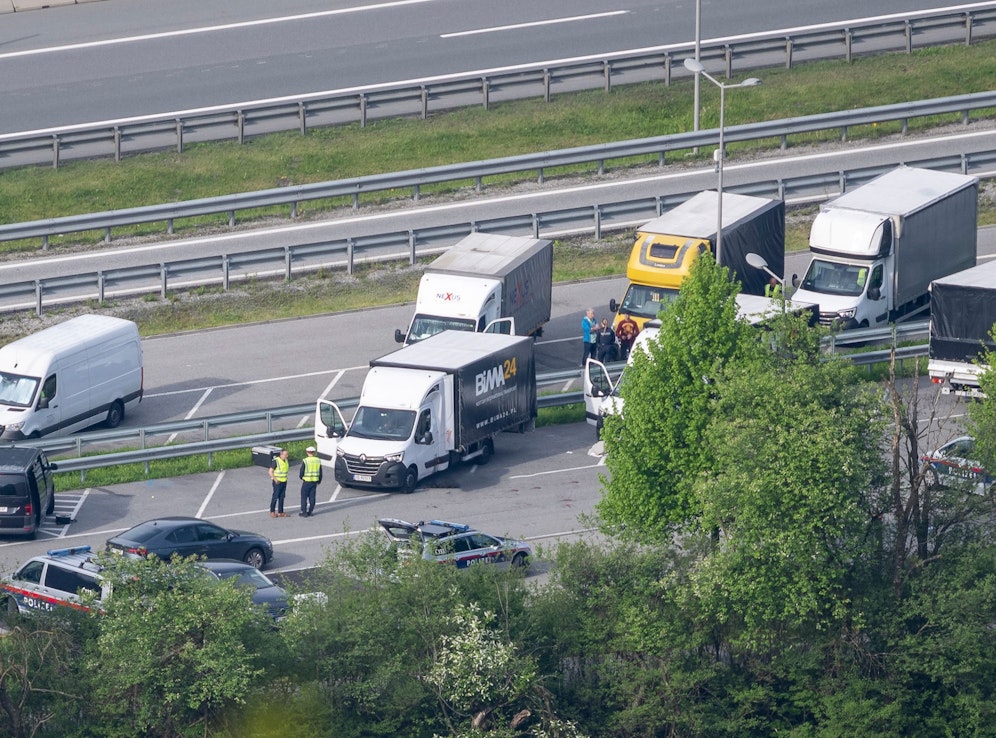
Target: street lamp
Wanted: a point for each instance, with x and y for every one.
(694, 65)
(757, 261)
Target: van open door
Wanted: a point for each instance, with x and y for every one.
(505, 326)
(329, 428)
(597, 386)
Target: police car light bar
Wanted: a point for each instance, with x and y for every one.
(68, 551)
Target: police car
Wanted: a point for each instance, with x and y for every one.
(54, 580)
(455, 543)
(954, 463)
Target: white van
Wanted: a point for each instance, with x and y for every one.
(68, 377)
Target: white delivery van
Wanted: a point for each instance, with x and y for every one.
(68, 377)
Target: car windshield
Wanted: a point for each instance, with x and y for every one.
(247, 577)
(382, 424)
(16, 389)
(646, 302)
(424, 326)
(832, 278)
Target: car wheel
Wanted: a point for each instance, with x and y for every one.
(410, 481)
(487, 451)
(255, 558)
(115, 415)
(932, 480)
(520, 560)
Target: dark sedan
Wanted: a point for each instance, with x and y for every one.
(186, 536)
(264, 592)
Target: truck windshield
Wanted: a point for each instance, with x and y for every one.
(382, 424)
(646, 302)
(833, 278)
(424, 326)
(16, 389)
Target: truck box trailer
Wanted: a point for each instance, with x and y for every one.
(877, 248)
(429, 405)
(485, 278)
(667, 246)
(962, 319)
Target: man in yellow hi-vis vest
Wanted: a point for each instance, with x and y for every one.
(278, 475)
(311, 475)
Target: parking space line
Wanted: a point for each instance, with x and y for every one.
(210, 494)
(555, 471)
(194, 409)
(335, 493)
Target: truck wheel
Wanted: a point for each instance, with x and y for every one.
(115, 415)
(487, 451)
(410, 481)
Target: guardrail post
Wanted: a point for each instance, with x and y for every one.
(169, 226)
(789, 46)
(350, 246)
(479, 183)
(415, 192)
(45, 242)
(964, 163)
(842, 182)
(288, 259)
(293, 213)
(607, 72)
(38, 297)
(964, 117)
(848, 44)
(601, 167)
(79, 447)
(539, 176)
(107, 234)
(667, 68)
(909, 37)
(728, 55)
(231, 218)
(55, 152)
(163, 275)
(363, 110)
(598, 221)
(536, 225)
(411, 247)
(843, 133)
(269, 422)
(100, 287)
(784, 142)
(904, 126)
(486, 92)
(424, 95)
(226, 272)
(302, 118)
(781, 189)
(179, 136)
(117, 143)
(240, 124)
(968, 29)
(546, 85)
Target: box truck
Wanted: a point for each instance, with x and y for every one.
(501, 284)
(84, 371)
(962, 319)
(877, 248)
(427, 406)
(666, 247)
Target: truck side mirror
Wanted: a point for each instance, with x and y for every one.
(425, 439)
(399, 337)
(613, 305)
(874, 293)
(42, 403)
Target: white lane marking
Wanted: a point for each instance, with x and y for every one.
(534, 197)
(554, 471)
(335, 493)
(209, 29)
(333, 383)
(210, 494)
(193, 410)
(252, 381)
(532, 24)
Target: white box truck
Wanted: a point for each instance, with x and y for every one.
(962, 317)
(84, 371)
(482, 279)
(877, 248)
(427, 406)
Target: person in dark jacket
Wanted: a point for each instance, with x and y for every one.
(606, 341)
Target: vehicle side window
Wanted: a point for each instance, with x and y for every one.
(461, 545)
(482, 540)
(48, 388)
(32, 572)
(68, 580)
(424, 423)
(210, 533)
(186, 534)
(876, 278)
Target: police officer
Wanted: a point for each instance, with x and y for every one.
(311, 475)
(278, 476)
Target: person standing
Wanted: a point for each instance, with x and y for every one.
(588, 336)
(626, 332)
(278, 476)
(311, 476)
(606, 340)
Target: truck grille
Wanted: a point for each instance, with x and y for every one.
(827, 318)
(368, 465)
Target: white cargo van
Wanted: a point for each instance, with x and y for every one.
(68, 377)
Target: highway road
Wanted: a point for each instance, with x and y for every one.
(122, 58)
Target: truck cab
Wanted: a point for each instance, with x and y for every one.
(448, 302)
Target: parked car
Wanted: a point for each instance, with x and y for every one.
(264, 592)
(954, 461)
(186, 536)
(455, 543)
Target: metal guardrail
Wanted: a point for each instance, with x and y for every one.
(210, 446)
(898, 32)
(658, 147)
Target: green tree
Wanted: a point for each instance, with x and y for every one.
(982, 414)
(175, 649)
(656, 451)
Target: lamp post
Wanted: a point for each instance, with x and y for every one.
(698, 56)
(757, 261)
(693, 65)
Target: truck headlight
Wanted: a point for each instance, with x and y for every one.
(398, 457)
(846, 314)
(339, 452)
(15, 426)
